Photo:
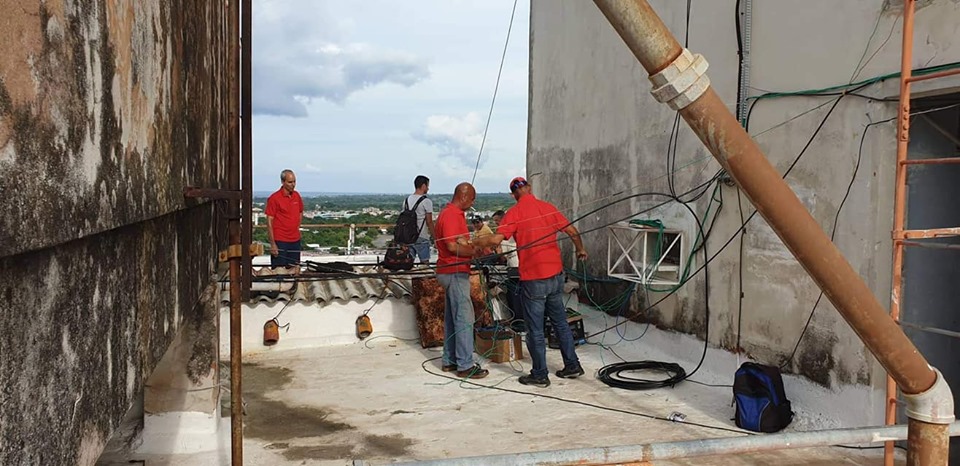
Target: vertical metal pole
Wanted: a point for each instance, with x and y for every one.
(246, 114)
(899, 203)
(233, 183)
(929, 443)
(656, 48)
(746, 31)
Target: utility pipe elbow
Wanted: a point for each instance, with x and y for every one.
(933, 406)
(682, 82)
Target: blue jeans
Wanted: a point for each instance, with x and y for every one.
(458, 318)
(546, 297)
(289, 254)
(421, 249)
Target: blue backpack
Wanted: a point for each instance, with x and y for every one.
(762, 405)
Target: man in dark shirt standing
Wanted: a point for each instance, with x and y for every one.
(535, 224)
(284, 212)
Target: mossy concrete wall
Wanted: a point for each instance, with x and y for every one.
(108, 109)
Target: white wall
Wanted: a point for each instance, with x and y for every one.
(594, 130)
(317, 324)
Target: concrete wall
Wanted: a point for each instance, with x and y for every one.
(594, 131)
(107, 110)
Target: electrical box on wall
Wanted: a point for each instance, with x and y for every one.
(641, 253)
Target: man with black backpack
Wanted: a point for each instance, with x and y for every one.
(415, 224)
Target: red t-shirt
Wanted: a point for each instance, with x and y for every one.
(286, 210)
(535, 222)
(451, 224)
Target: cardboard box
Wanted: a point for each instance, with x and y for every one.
(498, 345)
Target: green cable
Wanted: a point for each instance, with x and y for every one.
(841, 87)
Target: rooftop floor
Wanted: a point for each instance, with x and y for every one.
(386, 400)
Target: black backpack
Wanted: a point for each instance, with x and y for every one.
(762, 405)
(407, 231)
(397, 258)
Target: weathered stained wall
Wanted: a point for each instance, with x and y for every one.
(105, 114)
(107, 110)
(594, 131)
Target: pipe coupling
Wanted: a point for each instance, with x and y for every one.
(934, 406)
(682, 82)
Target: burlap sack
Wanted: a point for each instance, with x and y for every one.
(428, 298)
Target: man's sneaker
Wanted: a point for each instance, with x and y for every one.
(475, 372)
(449, 367)
(536, 381)
(570, 372)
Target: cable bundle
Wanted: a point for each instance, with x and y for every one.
(612, 375)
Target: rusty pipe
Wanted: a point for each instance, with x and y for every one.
(233, 183)
(718, 129)
(929, 443)
(246, 146)
(653, 453)
(925, 77)
(656, 49)
(899, 204)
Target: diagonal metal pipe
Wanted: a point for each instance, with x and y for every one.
(650, 452)
(658, 50)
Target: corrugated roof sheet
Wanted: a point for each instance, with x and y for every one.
(322, 289)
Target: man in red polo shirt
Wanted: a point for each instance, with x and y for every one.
(453, 272)
(284, 211)
(535, 224)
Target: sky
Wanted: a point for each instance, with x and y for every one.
(363, 96)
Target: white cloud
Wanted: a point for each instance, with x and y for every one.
(311, 168)
(458, 138)
(311, 56)
(299, 55)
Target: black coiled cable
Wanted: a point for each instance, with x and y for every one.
(611, 375)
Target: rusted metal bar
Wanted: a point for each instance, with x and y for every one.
(926, 234)
(233, 183)
(211, 193)
(940, 161)
(650, 453)
(920, 244)
(656, 49)
(929, 444)
(925, 77)
(938, 331)
(246, 114)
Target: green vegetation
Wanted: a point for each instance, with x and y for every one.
(326, 237)
(337, 237)
(356, 219)
(356, 202)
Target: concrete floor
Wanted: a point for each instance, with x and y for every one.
(383, 401)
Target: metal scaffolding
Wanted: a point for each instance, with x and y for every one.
(900, 235)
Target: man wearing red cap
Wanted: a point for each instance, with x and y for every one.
(535, 224)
